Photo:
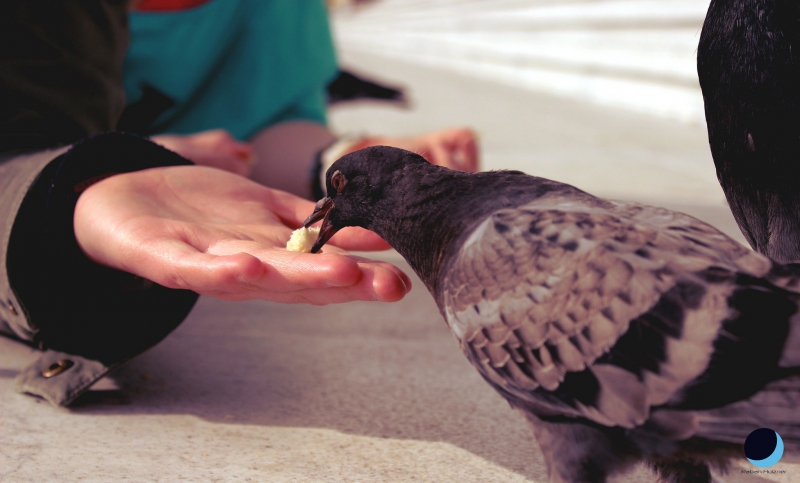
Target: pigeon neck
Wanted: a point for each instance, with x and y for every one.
(422, 222)
(425, 214)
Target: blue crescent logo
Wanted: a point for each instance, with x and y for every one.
(763, 447)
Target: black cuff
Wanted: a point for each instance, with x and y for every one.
(75, 305)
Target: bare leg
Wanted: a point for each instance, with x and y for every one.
(285, 154)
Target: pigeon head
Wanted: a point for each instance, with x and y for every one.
(420, 209)
(362, 187)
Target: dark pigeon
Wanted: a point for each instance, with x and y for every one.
(622, 332)
(751, 89)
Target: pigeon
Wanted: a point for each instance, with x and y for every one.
(751, 89)
(623, 333)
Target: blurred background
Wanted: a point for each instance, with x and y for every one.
(637, 55)
(601, 94)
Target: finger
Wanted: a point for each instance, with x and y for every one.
(439, 155)
(405, 278)
(288, 271)
(386, 282)
(225, 162)
(468, 147)
(245, 153)
(184, 256)
(358, 239)
(178, 265)
(231, 146)
(213, 139)
(250, 274)
(379, 282)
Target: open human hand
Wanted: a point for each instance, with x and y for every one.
(222, 235)
(455, 148)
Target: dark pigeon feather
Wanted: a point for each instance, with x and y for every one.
(622, 332)
(751, 88)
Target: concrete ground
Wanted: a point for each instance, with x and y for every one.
(363, 392)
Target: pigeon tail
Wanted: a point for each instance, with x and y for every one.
(774, 407)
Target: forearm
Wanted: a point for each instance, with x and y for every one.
(286, 154)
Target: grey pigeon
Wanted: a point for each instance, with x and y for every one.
(751, 87)
(622, 332)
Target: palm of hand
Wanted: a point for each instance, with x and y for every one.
(222, 235)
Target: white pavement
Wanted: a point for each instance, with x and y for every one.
(637, 54)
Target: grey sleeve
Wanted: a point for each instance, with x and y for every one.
(87, 318)
(17, 175)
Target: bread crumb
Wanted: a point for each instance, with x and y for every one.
(302, 240)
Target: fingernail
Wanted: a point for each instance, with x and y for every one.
(247, 158)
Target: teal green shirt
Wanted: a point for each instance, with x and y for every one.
(241, 65)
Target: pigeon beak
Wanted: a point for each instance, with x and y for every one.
(322, 212)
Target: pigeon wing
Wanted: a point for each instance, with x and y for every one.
(589, 311)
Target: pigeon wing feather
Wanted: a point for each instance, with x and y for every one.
(572, 309)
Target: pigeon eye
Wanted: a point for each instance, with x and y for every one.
(338, 181)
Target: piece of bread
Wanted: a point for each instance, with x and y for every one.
(302, 239)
